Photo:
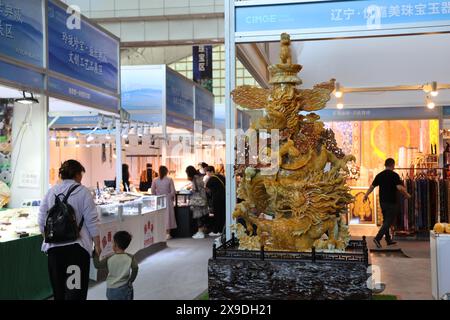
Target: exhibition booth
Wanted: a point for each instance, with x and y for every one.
(60, 99)
(182, 111)
(361, 69)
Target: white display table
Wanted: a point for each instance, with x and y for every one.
(440, 264)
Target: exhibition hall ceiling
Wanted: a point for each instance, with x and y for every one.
(375, 62)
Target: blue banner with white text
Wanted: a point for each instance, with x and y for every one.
(21, 31)
(82, 52)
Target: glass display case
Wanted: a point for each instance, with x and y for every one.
(138, 206)
(18, 223)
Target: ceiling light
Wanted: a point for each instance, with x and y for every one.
(88, 146)
(108, 136)
(340, 104)
(53, 136)
(27, 100)
(125, 131)
(337, 90)
(434, 89)
(71, 136)
(430, 103)
(90, 138)
(146, 130)
(132, 130)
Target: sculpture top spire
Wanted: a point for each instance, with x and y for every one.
(285, 72)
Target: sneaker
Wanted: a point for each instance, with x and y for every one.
(391, 243)
(199, 235)
(212, 234)
(377, 243)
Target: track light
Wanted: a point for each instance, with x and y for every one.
(430, 103)
(71, 136)
(125, 131)
(132, 130)
(146, 130)
(27, 100)
(53, 136)
(340, 104)
(434, 89)
(337, 90)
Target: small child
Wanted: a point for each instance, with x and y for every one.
(119, 281)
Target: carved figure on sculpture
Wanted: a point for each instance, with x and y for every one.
(302, 204)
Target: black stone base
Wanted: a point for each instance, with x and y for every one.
(235, 279)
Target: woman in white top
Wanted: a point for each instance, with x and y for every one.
(69, 262)
(163, 185)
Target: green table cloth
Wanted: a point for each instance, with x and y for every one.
(23, 270)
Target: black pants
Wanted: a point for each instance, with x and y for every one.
(68, 268)
(389, 211)
(219, 218)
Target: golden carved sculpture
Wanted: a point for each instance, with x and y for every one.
(301, 204)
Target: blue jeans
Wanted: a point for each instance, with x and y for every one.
(122, 293)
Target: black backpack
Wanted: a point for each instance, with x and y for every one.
(61, 224)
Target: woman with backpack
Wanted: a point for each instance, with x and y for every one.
(68, 220)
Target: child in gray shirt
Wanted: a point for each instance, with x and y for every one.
(120, 280)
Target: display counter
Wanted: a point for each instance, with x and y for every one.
(186, 225)
(143, 217)
(23, 267)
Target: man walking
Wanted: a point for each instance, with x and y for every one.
(389, 182)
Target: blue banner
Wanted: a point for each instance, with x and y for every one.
(370, 16)
(204, 106)
(21, 76)
(86, 54)
(142, 92)
(202, 63)
(180, 123)
(21, 30)
(83, 95)
(407, 113)
(179, 95)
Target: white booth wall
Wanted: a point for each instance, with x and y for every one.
(29, 153)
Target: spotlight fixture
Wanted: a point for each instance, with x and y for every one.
(71, 136)
(146, 130)
(90, 138)
(340, 104)
(434, 89)
(132, 130)
(125, 131)
(337, 90)
(152, 140)
(27, 100)
(53, 136)
(430, 103)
